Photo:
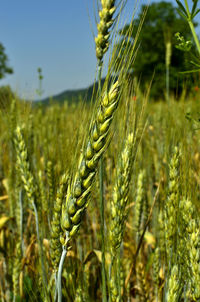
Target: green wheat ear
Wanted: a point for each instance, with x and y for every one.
(78, 192)
(189, 248)
(120, 195)
(173, 291)
(24, 166)
(106, 21)
(171, 207)
(139, 201)
(119, 213)
(17, 267)
(56, 248)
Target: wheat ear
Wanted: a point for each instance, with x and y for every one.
(106, 21)
(139, 201)
(190, 247)
(171, 207)
(80, 188)
(142, 283)
(30, 188)
(16, 270)
(120, 195)
(56, 248)
(172, 295)
(78, 192)
(119, 214)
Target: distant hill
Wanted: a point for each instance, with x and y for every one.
(71, 96)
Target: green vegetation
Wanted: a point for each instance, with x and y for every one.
(100, 200)
(161, 23)
(4, 68)
(184, 44)
(6, 93)
(6, 96)
(159, 173)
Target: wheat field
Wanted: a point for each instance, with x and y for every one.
(99, 201)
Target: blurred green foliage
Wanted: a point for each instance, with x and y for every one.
(4, 68)
(161, 21)
(6, 96)
(188, 16)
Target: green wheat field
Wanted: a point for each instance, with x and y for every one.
(100, 200)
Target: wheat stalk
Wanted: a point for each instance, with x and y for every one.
(80, 188)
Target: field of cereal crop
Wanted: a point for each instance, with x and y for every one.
(100, 201)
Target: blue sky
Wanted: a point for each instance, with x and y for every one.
(54, 35)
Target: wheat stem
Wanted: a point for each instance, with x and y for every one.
(59, 278)
(103, 268)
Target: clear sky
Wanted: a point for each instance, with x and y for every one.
(54, 35)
